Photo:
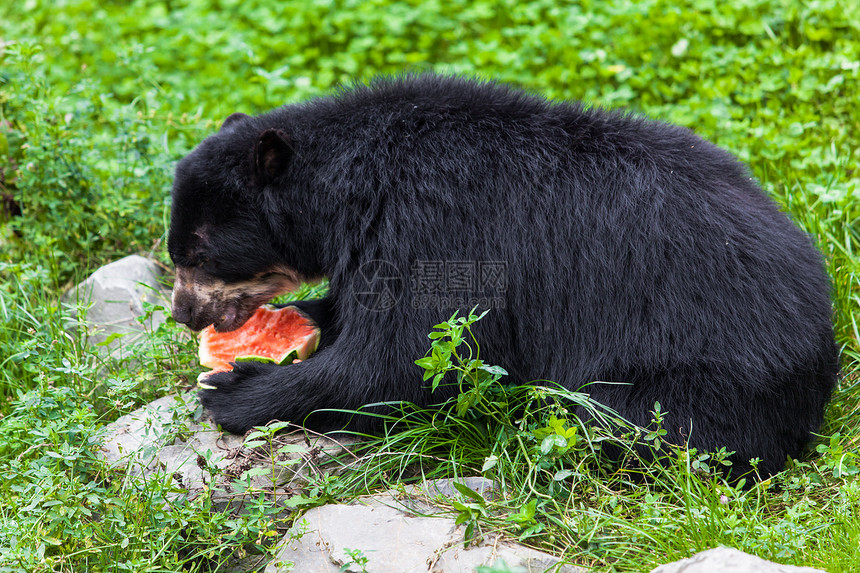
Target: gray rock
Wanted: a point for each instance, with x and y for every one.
(394, 540)
(727, 560)
(424, 498)
(135, 440)
(162, 437)
(445, 488)
(114, 297)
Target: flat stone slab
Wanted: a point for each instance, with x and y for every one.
(394, 540)
(727, 560)
(162, 437)
(136, 439)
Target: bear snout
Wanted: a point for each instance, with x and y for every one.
(197, 306)
(186, 309)
(200, 299)
(197, 315)
(182, 313)
(191, 300)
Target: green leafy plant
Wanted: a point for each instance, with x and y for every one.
(356, 557)
(474, 379)
(469, 511)
(264, 437)
(500, 566)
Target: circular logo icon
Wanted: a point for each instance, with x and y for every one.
(378, 285)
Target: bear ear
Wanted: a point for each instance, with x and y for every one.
(272, 153)
(233, 118)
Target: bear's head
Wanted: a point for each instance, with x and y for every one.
(229, 259)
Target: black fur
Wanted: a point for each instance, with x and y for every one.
(635, 252)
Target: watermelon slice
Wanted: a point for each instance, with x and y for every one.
(278, 335)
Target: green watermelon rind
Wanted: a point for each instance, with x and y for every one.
(287, 358)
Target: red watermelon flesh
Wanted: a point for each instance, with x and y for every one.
(278, 335)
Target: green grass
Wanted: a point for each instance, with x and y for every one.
(99, 99)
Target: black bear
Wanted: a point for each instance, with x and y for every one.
(610, 247)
